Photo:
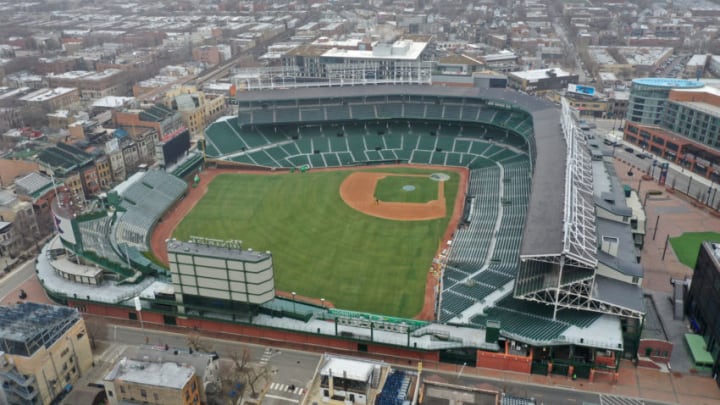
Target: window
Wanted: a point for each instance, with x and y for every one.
(110, 394)
(143, 393)
(122, 389)
(156, 396)
(635, 280)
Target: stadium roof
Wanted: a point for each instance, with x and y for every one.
(543, 233)
(620, 293)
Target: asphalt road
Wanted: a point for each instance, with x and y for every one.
(16, 277)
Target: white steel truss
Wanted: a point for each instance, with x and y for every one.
(580, 239)
(579, 235)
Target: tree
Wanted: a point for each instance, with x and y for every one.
(238, 374)
(196, 343)
(254, 375)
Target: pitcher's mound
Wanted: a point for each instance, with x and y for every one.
(439, 177)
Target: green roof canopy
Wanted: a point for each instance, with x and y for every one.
(698, 349)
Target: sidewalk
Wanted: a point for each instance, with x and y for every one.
(638, 382)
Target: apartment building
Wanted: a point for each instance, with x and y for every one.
(44, 350)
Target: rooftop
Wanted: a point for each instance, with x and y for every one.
(47, 94)
(24, 321)
(159, 374)
(190, 248)
(112, 101)
(32, 183)
(349, 369)
(538, 74)
(399, 50)
(156, 113)
(668, 82)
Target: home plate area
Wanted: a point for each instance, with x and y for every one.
(287, 388)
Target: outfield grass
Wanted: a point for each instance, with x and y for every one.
(321, 247)
(687, 245)
(390, 189)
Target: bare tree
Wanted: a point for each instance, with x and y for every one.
(196, 343)
(255, 375)
(238, 374)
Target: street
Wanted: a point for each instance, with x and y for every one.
(296, 368)
(15, 278)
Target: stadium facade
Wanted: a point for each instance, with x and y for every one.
(542, 277)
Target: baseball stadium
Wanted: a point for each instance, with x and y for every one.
(444, 224)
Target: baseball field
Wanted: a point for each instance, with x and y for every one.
(324, 247)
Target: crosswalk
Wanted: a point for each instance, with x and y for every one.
(287, 388)
(267, 355)
(618, 400)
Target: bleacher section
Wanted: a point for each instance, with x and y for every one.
(534, 321)
(358, 145)
(395, 390)
(484, 255)
(144, 202)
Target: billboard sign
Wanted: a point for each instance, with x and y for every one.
(580, 89)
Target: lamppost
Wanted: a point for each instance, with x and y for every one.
(322, 303)
(293, 298)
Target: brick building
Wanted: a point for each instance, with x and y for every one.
(678, 120)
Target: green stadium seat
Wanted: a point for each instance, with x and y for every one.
(462, 145)
(388, 155)
(427, 142)
(320, 144)
(316, 160)
(338, 144)
(331, 159)
(451, 112)
(420, 157)
(346, 158)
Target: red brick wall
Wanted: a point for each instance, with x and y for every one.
(659, 349)
(302, 340)
(501, 361)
